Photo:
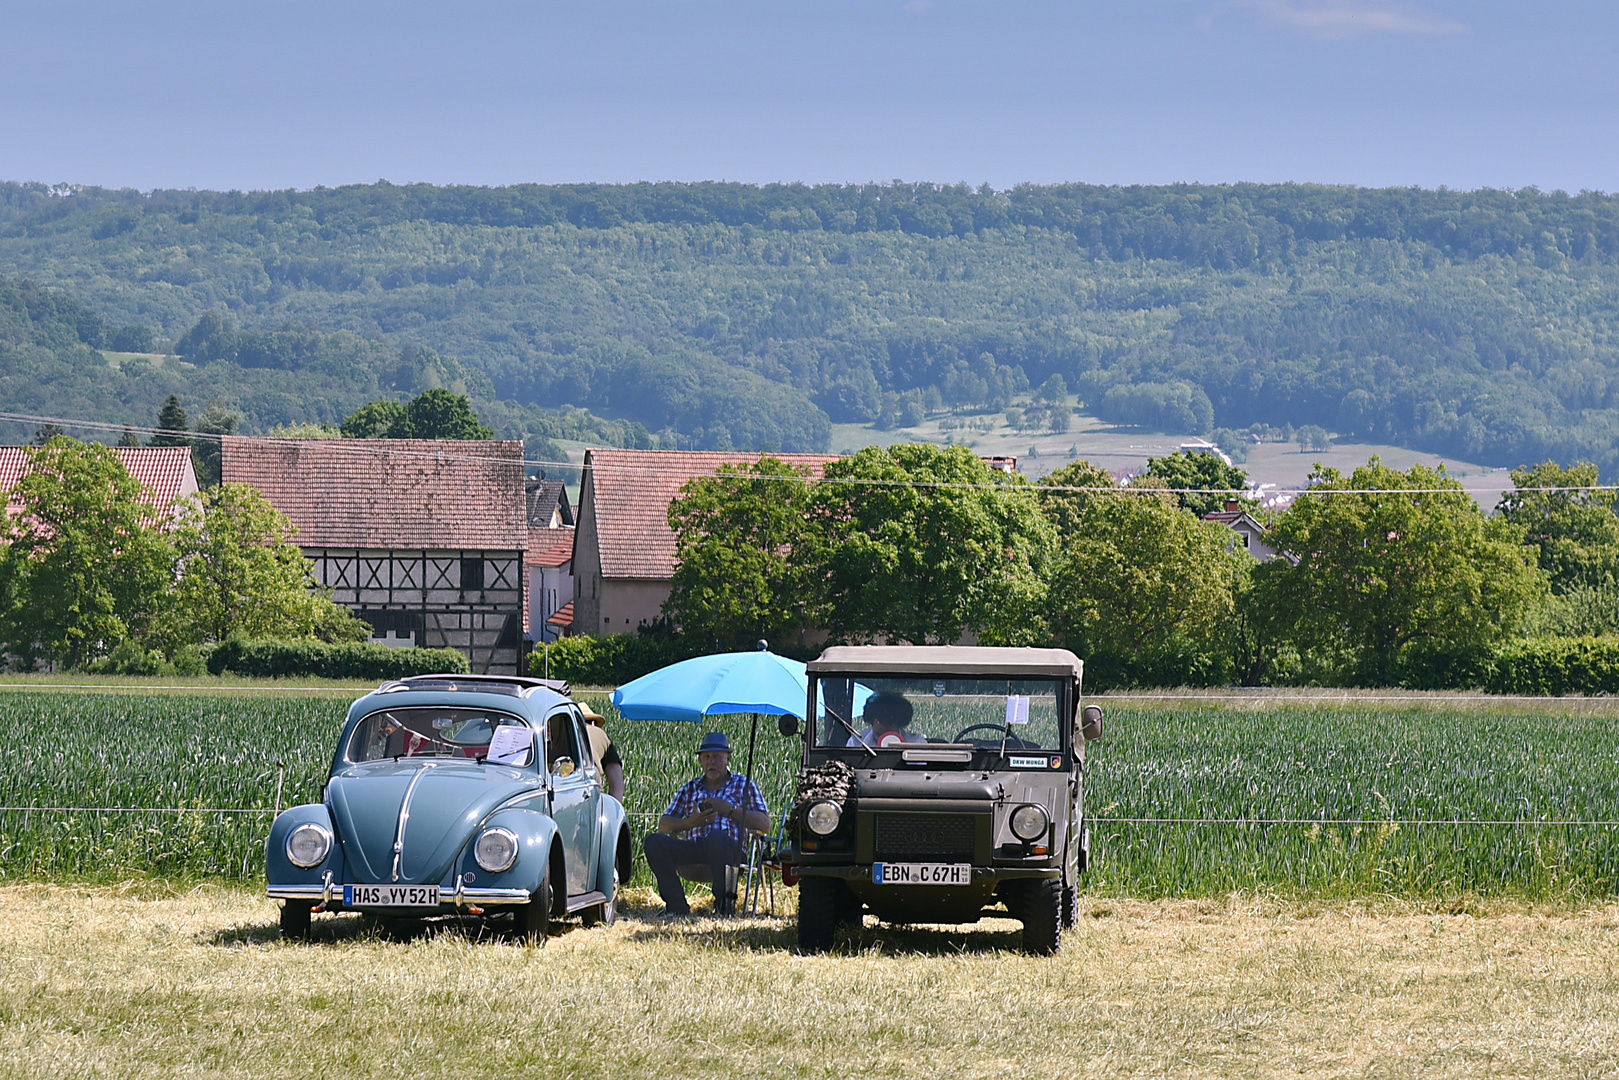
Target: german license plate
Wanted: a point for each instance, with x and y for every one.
(921, 873)
(390, 896)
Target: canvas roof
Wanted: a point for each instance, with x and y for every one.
(165, 472)
(388, 494)
(964, 660)
(633, 490)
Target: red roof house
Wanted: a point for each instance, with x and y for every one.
(165, 472)
(624, 550)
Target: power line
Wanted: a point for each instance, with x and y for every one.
(359, 447)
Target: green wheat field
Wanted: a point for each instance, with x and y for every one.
(70, 757)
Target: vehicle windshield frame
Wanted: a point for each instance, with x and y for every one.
(982, 756)
(475, 752)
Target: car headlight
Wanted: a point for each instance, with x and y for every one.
(1029, 822)
(823, 818)
(496, 850)
(308, 845)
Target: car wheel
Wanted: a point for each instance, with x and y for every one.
(532, 921)
(1041, 911)
(605, 913)
(1070, 907)
(817, 913)
(295, 919)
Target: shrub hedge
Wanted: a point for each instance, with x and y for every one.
(348, 660)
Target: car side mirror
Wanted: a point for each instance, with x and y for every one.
(563, 766)
(1090, 727)
(788, 726)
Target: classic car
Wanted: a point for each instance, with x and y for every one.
(940, 780)
(456, 795)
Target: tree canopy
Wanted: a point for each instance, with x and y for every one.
(1471, 324)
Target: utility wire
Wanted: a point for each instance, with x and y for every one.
(360, 447)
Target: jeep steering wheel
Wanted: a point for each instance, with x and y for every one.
(997, 728)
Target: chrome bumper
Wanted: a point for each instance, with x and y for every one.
(447, 899)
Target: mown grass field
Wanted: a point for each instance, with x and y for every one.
(1364, 759)
(160, 982)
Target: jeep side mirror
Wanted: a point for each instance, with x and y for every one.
(788, 726)
(1090, 727)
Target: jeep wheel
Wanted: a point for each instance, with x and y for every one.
(295, 919)
(532, 921)
(1070, 906)
(817, 913)
(1041, 910)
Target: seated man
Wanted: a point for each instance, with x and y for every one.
(888, 716)
(716, 812)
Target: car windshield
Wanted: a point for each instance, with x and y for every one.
(434, 731)
(893, 712)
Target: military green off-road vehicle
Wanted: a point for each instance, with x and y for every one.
(938, 781)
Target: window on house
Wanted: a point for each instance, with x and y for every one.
(471, 575)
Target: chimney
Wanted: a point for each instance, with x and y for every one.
(1232, 506)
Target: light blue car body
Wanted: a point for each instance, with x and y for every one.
(414, 820)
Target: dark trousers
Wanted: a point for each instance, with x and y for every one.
(665, 855)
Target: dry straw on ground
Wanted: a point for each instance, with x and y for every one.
(137, 983)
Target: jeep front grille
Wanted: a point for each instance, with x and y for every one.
(902, 836)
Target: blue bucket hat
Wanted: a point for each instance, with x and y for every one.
(715, 740)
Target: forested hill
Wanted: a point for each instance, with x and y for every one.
(1483, 325)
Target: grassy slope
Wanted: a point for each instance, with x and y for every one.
(103, 983)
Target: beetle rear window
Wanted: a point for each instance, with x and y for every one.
(429, 731)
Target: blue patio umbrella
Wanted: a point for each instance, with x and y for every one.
(759, 682)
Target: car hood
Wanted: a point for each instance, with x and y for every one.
(448, 800)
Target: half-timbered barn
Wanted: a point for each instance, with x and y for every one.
(423, 539)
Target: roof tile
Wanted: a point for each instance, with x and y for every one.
(388, 493)
(164, 471)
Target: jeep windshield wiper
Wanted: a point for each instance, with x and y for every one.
(849, 728)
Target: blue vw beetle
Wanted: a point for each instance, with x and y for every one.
(454, 794)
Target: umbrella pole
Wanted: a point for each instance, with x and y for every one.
(747, 891)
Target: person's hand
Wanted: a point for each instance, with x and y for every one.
(721, 808)
(704, 816)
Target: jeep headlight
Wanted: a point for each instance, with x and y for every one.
(308, 845)
(823, 818)
(1029, 822)
(496, 850)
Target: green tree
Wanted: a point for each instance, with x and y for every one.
(1575, 532)
(439, 414)
(171, 421)
(1137, 577)
(1400, 559)
(377, 420)
(745, 556)
(240, 574)
(922, 543)
(1312, 437)
(433, 414)
(217, 421)
(84, 567)
(1203, 481)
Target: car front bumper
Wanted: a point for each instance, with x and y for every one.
(332, 894)
(859, 872)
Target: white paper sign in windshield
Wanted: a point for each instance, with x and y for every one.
(1017, 709)
(510, 745)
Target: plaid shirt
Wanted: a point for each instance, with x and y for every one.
(737, 790)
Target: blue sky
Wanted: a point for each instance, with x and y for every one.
(224, 94)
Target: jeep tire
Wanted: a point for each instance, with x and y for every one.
(1040, 908)
(817, 912)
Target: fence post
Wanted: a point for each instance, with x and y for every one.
(280, 775)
